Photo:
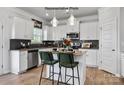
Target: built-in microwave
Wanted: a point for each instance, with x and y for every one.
(72, 35)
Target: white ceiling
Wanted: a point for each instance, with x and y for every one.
(60, 14)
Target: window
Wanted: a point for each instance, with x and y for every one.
(37, 35)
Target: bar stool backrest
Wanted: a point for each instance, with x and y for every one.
(66, 57)
(46, 56)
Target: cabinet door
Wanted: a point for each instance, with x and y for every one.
(91, 58)
(47, 33)
(83, 31)
(88, 31)
(55, 33)
(19, 28)
(92, 30)
(50, 33)
(63, 30)
(29, 29)
(74, 28)
(23, 61)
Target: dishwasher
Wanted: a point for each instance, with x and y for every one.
(32, 58)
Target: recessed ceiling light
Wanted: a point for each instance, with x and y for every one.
(47, 14)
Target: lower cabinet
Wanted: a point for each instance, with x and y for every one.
(91, 57)
(19, 61)
(122, 64)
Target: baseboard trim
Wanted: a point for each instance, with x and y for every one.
(117, 75)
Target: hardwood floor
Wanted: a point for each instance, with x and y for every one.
(93, 77)
(99, 77)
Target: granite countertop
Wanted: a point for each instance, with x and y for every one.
(75, 52)
(91, 48)
(26, 49)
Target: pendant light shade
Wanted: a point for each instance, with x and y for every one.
(71, 20)
(54, 21)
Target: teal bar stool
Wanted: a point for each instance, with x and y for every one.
(66, 60)
(47, 59)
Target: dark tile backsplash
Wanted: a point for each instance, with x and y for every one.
(95, 43)
(17, 44)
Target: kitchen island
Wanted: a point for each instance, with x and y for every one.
(80, 56)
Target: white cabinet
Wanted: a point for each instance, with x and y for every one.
(18, 29)
(59, 32)
(122, 64)
(19, 61)
(88, 31)
(23, 60)
(22, 28)
(91, 57)
(74, 28)
(55, 33)
(29, 29)
(63, 31)
(47, 33)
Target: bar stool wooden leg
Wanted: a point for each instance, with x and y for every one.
(41, 74)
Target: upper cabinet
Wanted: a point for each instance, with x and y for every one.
(22, 28)
(74, 28)
(48, 33)
(29, 29)
(89, 31)
(59, 32)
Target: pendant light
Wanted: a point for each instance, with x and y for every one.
(71, 20)
(46, 13)
(54, 21)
